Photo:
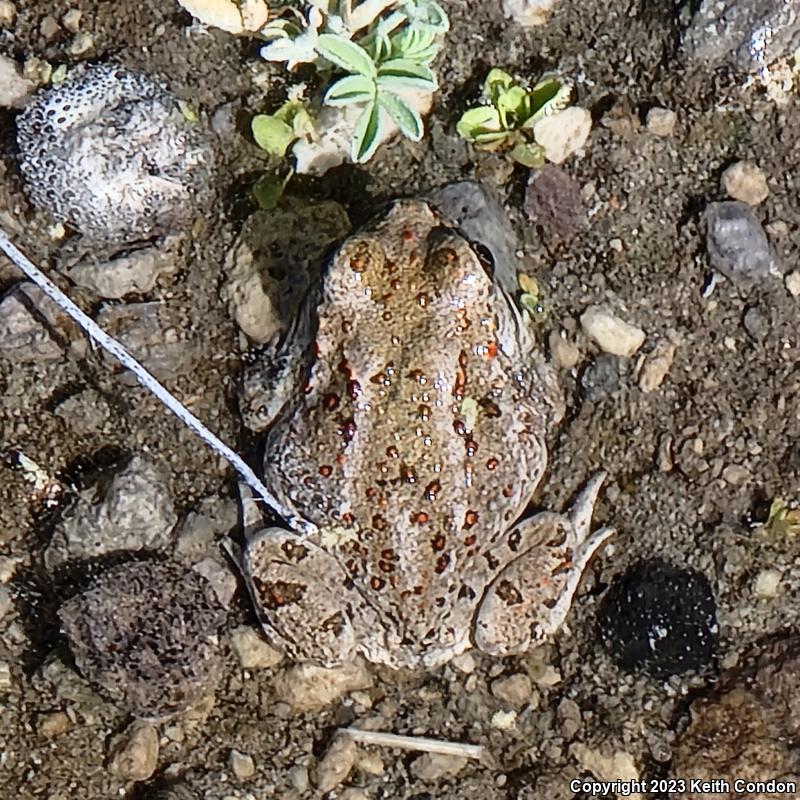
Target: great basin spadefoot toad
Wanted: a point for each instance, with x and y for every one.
(407, 440)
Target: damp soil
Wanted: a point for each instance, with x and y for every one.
(728, 400)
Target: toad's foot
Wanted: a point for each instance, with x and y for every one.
(545, 556)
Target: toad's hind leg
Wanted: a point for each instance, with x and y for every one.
(301, 595)
(545, 556)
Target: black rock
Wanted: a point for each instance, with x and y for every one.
(659, 618)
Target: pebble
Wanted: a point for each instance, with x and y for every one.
(220, 576)
(6, 602)
(756, 323)
(298, 776)
(242, 765)
(236, 18)
(6, 682)
(515, 690)
(746, 182)
(136, 513)
(85, 412)
(49, 27)
(336, 764)
(503, 720)
(14, 88)
(792, 283)
(601, 378)
(133, 273)
(605, 765)
(370, 763)
(197, 533)
(610, 333)
(435, 766)
(767, 583)
(736, 243)
(80, 44)
(253, 652)
(569, 717)
(72, 20)
(32, 327)
(464, 662)
(553, 201)
(51, 725)
(661, 121)
(735, 475)
(656, 366)
(564, 353)
(563, 134)
(307, 687)
(133, 754)
(528, 13)
(8, 13)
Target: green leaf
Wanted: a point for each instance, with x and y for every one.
(477, 121)
(548, 96)
(406, 118)
(529, 154)
(402, 73)
(365, 134)
(268, 190)
(346, 55)
(349, 90)
(513, 105)
(186, 109)
(271, 134)
(496, 82)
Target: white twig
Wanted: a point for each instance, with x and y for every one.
(112, 346)
(418, 743)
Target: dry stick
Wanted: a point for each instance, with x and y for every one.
(419, 743)
(112, 346)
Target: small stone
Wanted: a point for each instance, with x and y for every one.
(8, 566)
(516, 690)
(746, 182)
(570, 718)
(135, 513)
(72, 20)
(661, 121)
(133, 754)
(81, 43)
(298, 776)
(14, 87)
(252, 650)
(465, 662)
(660, 618)
(32, 326)
(435, 766)
(656, 366)
(370, 763)
(51, 725)
(307, 687)
(6, 682)
(528, 13)
(49, 27)
(8, 13)
(605, 765)
(85, 412)
(756, 324)
(792, 282)
(565, 354)
(132, 273)
(735, 475)
(767, 583)
(610, 333)
(220, 578)
(242, 765)
(503, 720)
(736, 243)
(553, 201)
(563, 133)
(6, 602)
(335, 766)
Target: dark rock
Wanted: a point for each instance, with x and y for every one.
(145, 633)
(749, 33)
(736, 242)
(659, 618)
(602, 378)
(553, 201)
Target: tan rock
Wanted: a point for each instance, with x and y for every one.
(253, 651)
(746, 182)
(133, 754)
(564, 133)
(610, 333)
(307, 687)
(661, 121)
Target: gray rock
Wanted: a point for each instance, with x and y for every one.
(602, 378)
(553, 200)
(131, 273)
(749, 33)
(736, 243)
(756, 323)
(135, 513)
(153, 333)
(32, 327)
(14, 89)
(146, 633)
(110, 152)
(472, 207)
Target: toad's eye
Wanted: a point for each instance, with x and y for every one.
(485, 256)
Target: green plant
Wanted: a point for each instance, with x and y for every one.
(782, 520)
(507, 118)
(385, 47)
